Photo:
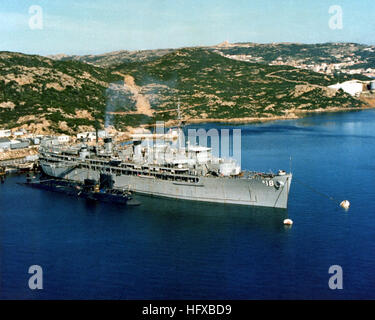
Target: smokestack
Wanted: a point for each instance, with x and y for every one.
(108, 145)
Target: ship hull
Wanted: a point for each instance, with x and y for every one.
(256, 191)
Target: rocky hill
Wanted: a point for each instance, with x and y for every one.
(212, 87)
(43, 95)
(114, 58)
(351, 55)
(302, 53)
(46, 95)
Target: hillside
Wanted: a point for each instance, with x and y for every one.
(210, 86)
(45, 95)
(348, 55)
(312, 52)
(114, 58)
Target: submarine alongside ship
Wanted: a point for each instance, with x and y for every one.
(90, 189)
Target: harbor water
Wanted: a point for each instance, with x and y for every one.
(173, 249)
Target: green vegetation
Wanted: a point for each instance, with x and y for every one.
(118, 57)
(51, 90)
(209, 85)
(132, 120)
(68, 93)
(309, 53)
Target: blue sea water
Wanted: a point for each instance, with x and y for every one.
(168, 249)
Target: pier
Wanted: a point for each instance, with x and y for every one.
(26, 159)
(28, 163)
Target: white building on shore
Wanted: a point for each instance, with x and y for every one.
(91, 136)
(63, 139)
(87, 135)
(5, 133)
(353, 87)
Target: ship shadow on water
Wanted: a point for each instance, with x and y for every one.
(194, 212)
(175, 213)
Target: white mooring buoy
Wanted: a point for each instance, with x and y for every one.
(288, 222)
(345, 204)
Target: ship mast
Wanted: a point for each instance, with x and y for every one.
(179, 114)
(181, 140)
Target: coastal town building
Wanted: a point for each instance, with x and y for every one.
(19, 133)
(4, 144)
(63, 139)
(5, 133)
(91, 136)
(19, 144)
(352, 87)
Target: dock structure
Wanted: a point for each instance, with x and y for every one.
(19, 160)
(19, 164)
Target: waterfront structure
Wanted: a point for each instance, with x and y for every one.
(4, 143)
(17, 144)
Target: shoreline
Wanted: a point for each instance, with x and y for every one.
(294, 114)
(291, 115)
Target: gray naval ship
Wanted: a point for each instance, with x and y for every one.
(164, 169)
